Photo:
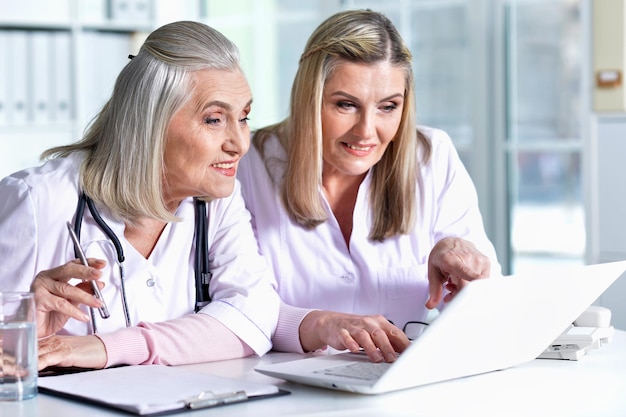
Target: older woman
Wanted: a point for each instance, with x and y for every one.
(151, 187)
(363, 215)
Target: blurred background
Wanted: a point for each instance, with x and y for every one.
(510, 80)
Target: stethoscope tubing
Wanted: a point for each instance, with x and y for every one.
(202, 272)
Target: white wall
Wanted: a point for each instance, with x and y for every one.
(607, 211)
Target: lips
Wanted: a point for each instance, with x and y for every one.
(224, 165)
(228, 169)
(359, 148)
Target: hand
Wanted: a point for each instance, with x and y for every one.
(11, 367)
(375, 334)
(57, 300)
(453, 262)
(78, 351)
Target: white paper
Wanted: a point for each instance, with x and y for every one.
(147, 389)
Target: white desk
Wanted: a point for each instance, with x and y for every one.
(594, 386)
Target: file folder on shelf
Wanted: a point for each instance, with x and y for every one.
(4, 78)
(40, 76)
(17, 70)
(61, 67)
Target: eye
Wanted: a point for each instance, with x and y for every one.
(244, 121)
(388, 108)
(345, 105)
(212, 120)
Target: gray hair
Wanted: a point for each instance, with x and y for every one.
(123, 146)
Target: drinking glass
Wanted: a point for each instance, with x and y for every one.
(18, 346)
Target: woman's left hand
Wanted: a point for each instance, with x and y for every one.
(451, 264)
(75, 351)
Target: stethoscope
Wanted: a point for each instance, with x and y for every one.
(202, 273)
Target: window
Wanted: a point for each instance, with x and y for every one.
(543, 132)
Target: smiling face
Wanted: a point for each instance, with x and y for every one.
(361, 112)
(207, 137)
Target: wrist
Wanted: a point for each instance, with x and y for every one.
(310, 338)
(95, 355)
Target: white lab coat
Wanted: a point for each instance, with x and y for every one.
(315, 268)
(35, 205)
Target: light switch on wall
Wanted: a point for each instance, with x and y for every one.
(609, 55)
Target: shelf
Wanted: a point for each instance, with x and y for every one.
(117, 27)
(105, 26)
(58, 62)
(34, 25)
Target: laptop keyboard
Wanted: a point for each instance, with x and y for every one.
(367, 371)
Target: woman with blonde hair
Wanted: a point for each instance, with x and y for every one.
(364, 216)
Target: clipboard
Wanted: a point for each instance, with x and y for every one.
(151, 390)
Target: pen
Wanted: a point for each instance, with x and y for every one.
(104, 311)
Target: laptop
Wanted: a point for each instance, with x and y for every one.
(492, 324)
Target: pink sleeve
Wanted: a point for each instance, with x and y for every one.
(190, 339)
(287, 335)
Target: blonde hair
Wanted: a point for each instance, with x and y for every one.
(362, 36)
(123, 146)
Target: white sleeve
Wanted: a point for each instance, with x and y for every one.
(18, 235)
(243, 298)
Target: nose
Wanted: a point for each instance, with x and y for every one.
(238, 141)
(364, 126)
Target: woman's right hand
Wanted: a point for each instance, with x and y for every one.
(57, 300)
(380, 339)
